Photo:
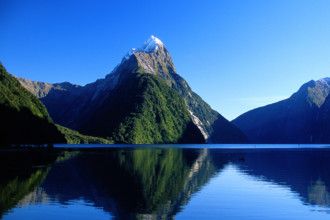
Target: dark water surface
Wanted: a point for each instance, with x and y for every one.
(155, 182)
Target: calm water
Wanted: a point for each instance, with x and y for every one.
(154, 183)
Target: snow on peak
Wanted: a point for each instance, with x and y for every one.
(149, 46)
(152, 44)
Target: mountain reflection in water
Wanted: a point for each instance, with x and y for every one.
(152, 183)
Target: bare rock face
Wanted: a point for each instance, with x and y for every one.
(42, 89)
(39, 89)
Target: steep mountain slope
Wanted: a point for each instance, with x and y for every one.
(144, 86)
(153, 58)
(61, 99)
(24, 120)
(302, 118)
(142, 110)
(41, 89)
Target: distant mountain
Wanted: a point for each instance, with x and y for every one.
(302, 118)
(143, 100)
(25, 120)
(42, 89)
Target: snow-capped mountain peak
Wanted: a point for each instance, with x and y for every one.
(151, 45)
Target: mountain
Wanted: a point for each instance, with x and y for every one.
(74, 137)
(302, 118)
(24, 119)
(143, 100)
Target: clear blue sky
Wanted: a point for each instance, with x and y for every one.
(237, 55)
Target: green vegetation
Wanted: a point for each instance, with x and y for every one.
(154, 182)
(158, 181)
(24, 119)
(160, 117)
(215, 126)
(13, 95)
(66, 155)
(143, 182)
(160, 173)
(21, 171)
(74, 137)
(144, 110)
(13, 191)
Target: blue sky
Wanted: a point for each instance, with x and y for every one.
(237, 55)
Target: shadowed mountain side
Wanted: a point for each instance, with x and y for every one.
(22, 127)
(24, 119)
(224, 132)
(322, 124)
(302, 118)
(62, 103)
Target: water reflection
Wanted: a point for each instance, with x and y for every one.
(21, 172)
(128, 183)
(305, 172)
(160, 183)
(318, 194)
